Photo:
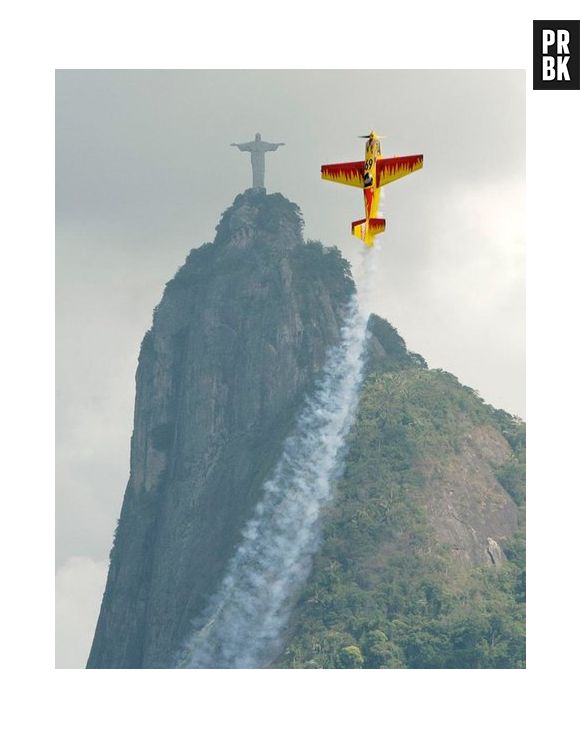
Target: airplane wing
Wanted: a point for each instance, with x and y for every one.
(349, 173)
(388, 170)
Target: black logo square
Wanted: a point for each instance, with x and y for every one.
(557, 55)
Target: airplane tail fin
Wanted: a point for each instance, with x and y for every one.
(367, 230)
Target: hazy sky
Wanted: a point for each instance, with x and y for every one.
(144, 170)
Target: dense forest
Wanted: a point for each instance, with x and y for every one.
(386, 591)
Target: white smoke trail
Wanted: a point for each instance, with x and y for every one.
(243, 624)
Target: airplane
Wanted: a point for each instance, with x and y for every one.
(371, 174)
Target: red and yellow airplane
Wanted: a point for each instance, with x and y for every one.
(371, 174)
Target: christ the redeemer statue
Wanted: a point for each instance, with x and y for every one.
(257, 149)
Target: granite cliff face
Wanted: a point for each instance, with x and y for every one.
(237, 342)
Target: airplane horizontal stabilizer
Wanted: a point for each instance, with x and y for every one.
(367, 230)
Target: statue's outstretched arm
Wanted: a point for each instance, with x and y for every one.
(244, 147)
(272, 147)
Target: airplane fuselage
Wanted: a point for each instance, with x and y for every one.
(371, 191)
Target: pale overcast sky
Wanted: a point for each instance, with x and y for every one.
(144, 170)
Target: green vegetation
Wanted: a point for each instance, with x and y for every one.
(312, 262)
(383, 593)
(512, 477)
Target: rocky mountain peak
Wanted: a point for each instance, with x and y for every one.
(237, 343)
(255, 217)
